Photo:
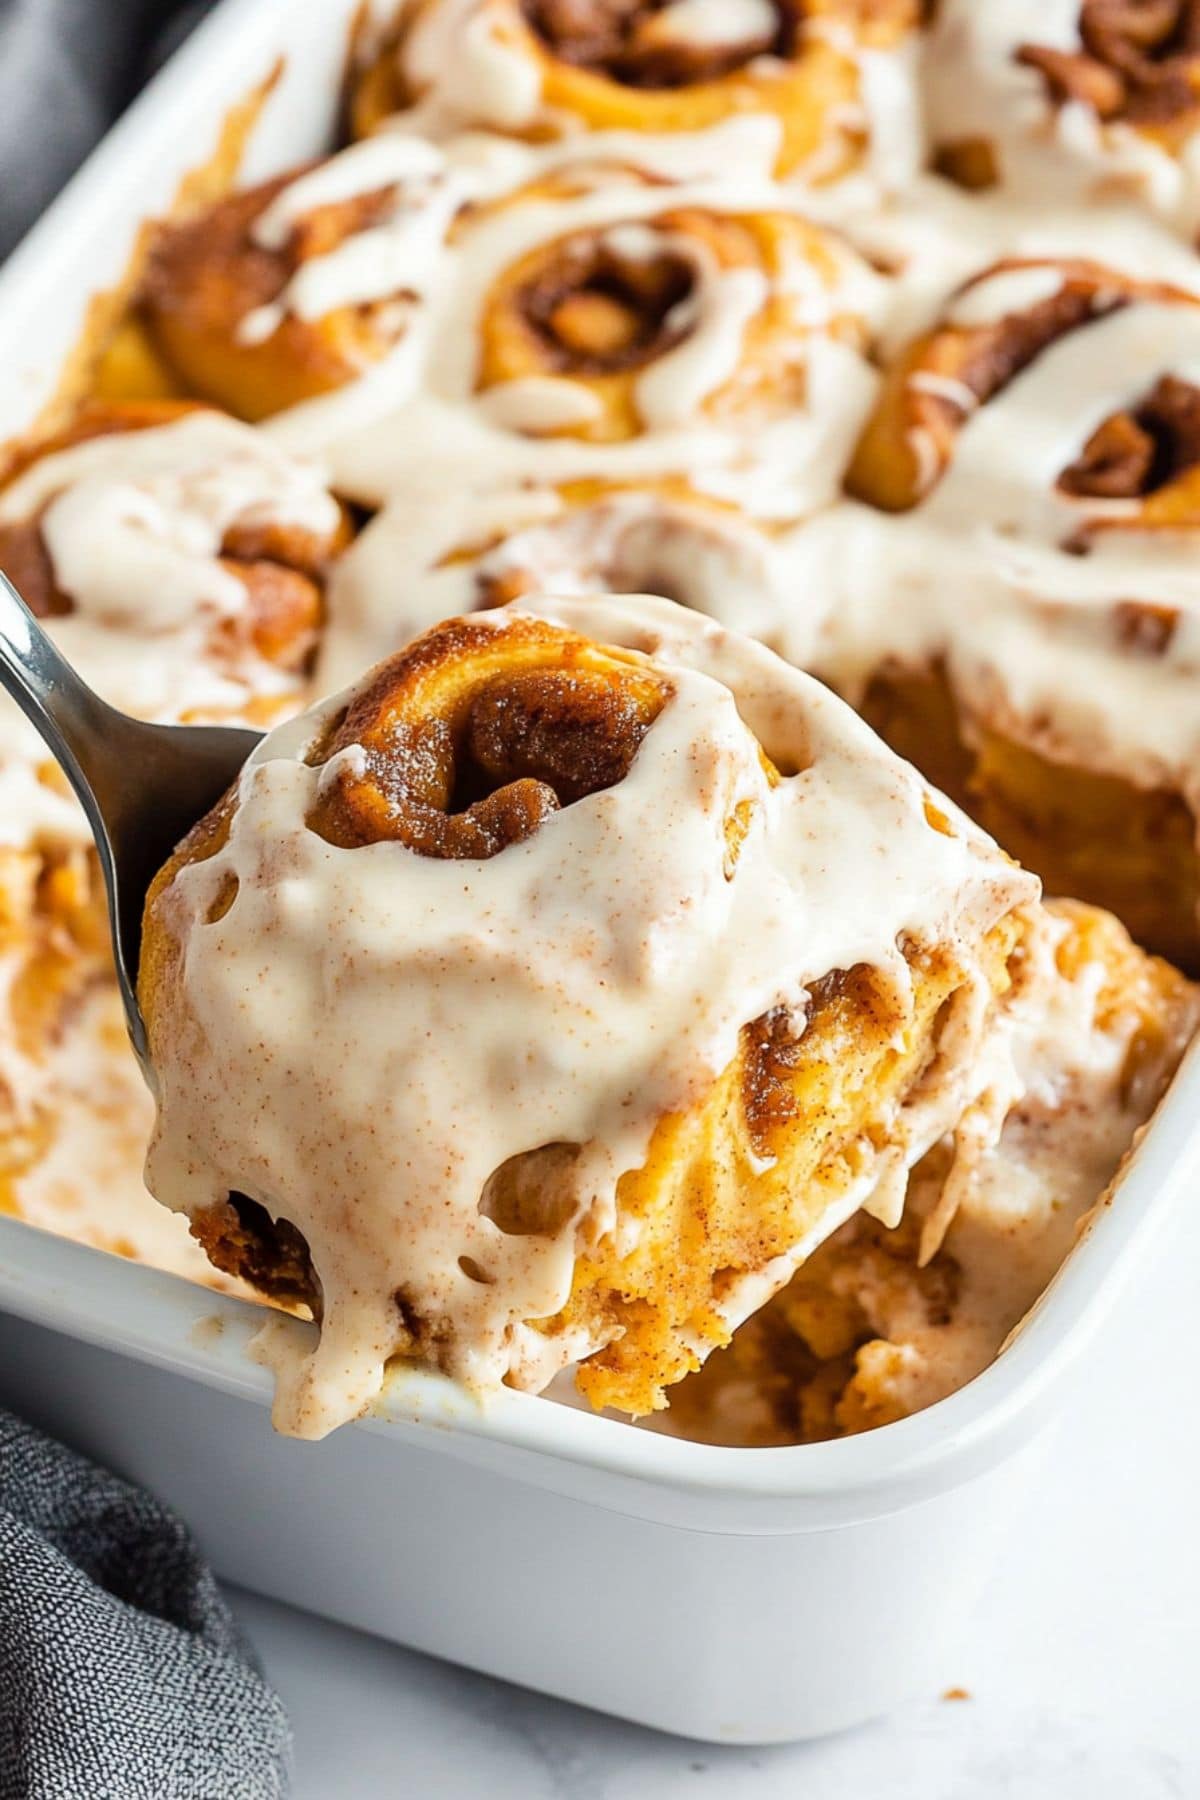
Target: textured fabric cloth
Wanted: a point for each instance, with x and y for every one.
(123, 1675)
(67, 67)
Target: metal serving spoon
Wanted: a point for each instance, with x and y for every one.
(142, 786)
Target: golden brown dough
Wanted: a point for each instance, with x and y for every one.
(868, 1331)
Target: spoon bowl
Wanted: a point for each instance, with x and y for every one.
(141, 786)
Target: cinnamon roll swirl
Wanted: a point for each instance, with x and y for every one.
(1040, 447)
(544, 67)
(524, 1005)
(998, 325)
(878, 1323)
(295, 287)
(1069, 99)
(606, 321)
(666, 319)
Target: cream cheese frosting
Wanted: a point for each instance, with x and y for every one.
(133, 525)
(978, 86)
(833, 585)
(421, 414)
(91, 1102)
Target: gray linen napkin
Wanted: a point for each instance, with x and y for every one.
(123, 1675)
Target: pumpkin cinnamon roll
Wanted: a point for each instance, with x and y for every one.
(881, 1322)
(418, 562)
(1069, 99)
(178, 556)
(527, 1005)
(295, 287)
(179, 561)
(1026, 624)
(540, 68)
(667, 320)
(1001, 323)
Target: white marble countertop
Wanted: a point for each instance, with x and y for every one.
(1083, 1667)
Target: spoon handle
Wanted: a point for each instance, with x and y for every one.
(87, 739)
(73, 722)
(142, 786)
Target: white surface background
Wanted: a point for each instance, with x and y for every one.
(1083, 1664)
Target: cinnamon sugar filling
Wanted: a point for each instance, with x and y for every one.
(640, 44)
(456, 760)
(1139, 60)
(597, 312)
(1140, 449)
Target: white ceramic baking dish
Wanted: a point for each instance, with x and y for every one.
(736, 1595)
